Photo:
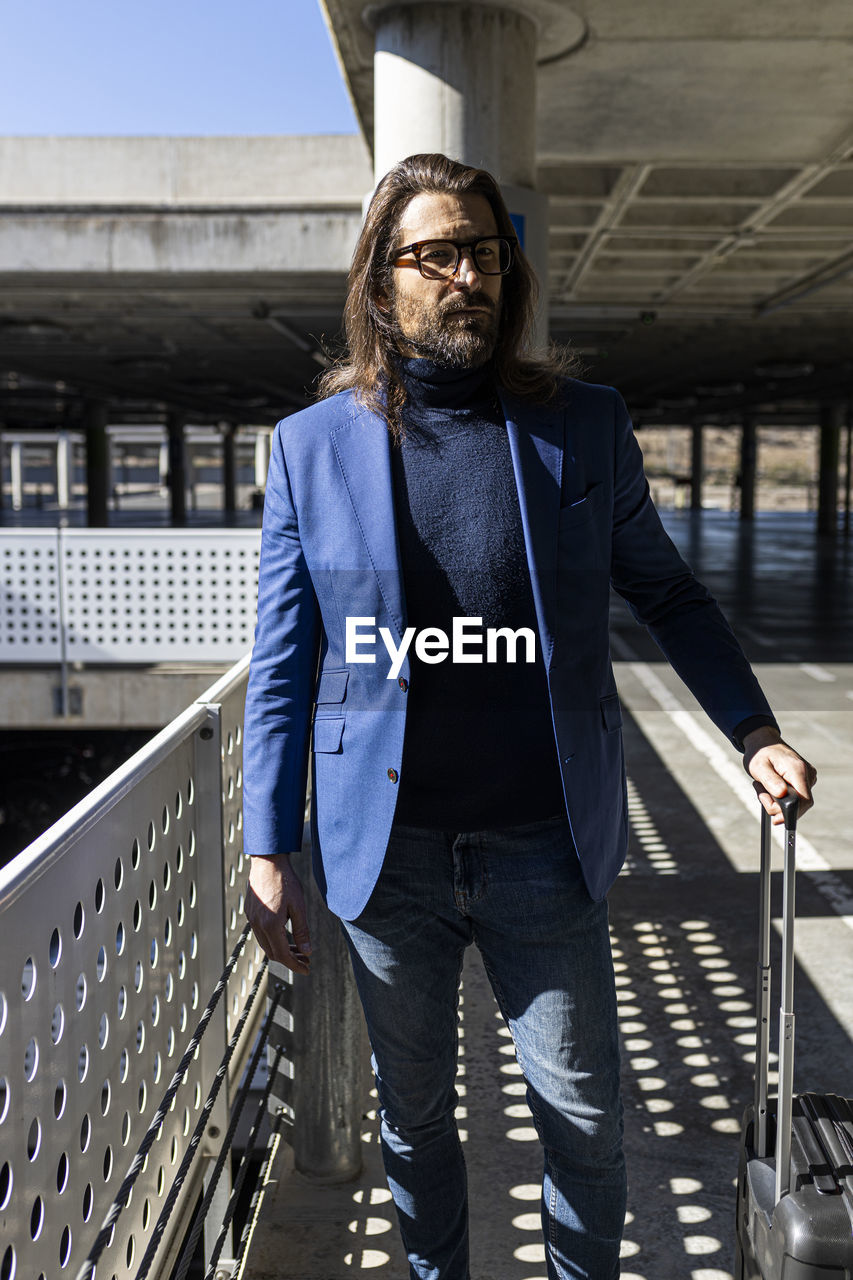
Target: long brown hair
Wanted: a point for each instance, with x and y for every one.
(369, 368)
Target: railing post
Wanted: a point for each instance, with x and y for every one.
(16, 474)
(329, 1086)
(62, 601)
(64, 470)
(212, 957)
(262, 458)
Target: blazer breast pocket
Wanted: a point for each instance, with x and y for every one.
(579, 511)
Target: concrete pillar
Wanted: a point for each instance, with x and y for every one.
(329, 1053)
(97, 462)
(177, 469)
(229, 470)
(64, 470)
(16, 474)
(848, 462)
(262, 458)
(697, 466)
(748, 453)
(831, 417)
(461, 79)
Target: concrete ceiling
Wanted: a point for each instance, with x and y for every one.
(204, 276)
(699, 164)
(699, 167)
(241, 349)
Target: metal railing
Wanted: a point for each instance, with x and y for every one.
(126, 596)
(116, 926)
(48, 466)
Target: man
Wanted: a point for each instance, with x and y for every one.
(439, 542)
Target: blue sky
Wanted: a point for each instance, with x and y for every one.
(168, 67)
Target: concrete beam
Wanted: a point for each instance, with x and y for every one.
(217, 242)
(102, 698)
(184, 172)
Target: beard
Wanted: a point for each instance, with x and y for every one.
(445, 332)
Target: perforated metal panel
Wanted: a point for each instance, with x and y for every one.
(29, 596)
(235, 869)
(231, 719)
(108, 943)
(137, 595)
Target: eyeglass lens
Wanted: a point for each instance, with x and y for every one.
(491, 257)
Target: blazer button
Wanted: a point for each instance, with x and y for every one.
(393, 775)
(403, 683)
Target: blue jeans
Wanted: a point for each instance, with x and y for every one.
(518, 893)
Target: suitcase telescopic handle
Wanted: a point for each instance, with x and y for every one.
(789, 805)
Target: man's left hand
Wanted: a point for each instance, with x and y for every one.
(775, 766)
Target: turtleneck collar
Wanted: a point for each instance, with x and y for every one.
(435, 386)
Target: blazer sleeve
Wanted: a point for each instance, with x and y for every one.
(661, 591)
(279, 699)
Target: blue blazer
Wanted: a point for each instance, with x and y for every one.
(330, 551)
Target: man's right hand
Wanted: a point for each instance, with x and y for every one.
(274, 896)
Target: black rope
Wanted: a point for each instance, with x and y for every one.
(244, 1164)
(257, 1194)
(189, 1247)
(198, 1131)
(87, 1269)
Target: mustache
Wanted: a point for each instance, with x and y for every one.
(463, 304)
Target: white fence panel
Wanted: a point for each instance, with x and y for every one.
(29, 596)
(112, 940)
(125, 596)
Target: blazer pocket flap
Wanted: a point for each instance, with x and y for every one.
(328, 732)
(332, 686)
(582, 509)
(611, 712)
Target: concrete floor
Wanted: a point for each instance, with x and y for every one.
(683, 919)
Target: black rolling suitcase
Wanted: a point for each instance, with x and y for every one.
(795, 1180)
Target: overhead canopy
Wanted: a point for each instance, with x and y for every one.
(698, 164)
(200, 275)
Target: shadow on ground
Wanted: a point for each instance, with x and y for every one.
(683, 926)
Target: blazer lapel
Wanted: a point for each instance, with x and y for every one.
(363, 449)
(536, 443)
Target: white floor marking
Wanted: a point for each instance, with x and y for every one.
(816, 672)
(829, 885)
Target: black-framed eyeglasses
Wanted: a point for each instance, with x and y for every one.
(439, 259)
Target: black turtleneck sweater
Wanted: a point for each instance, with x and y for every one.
(479, 749)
